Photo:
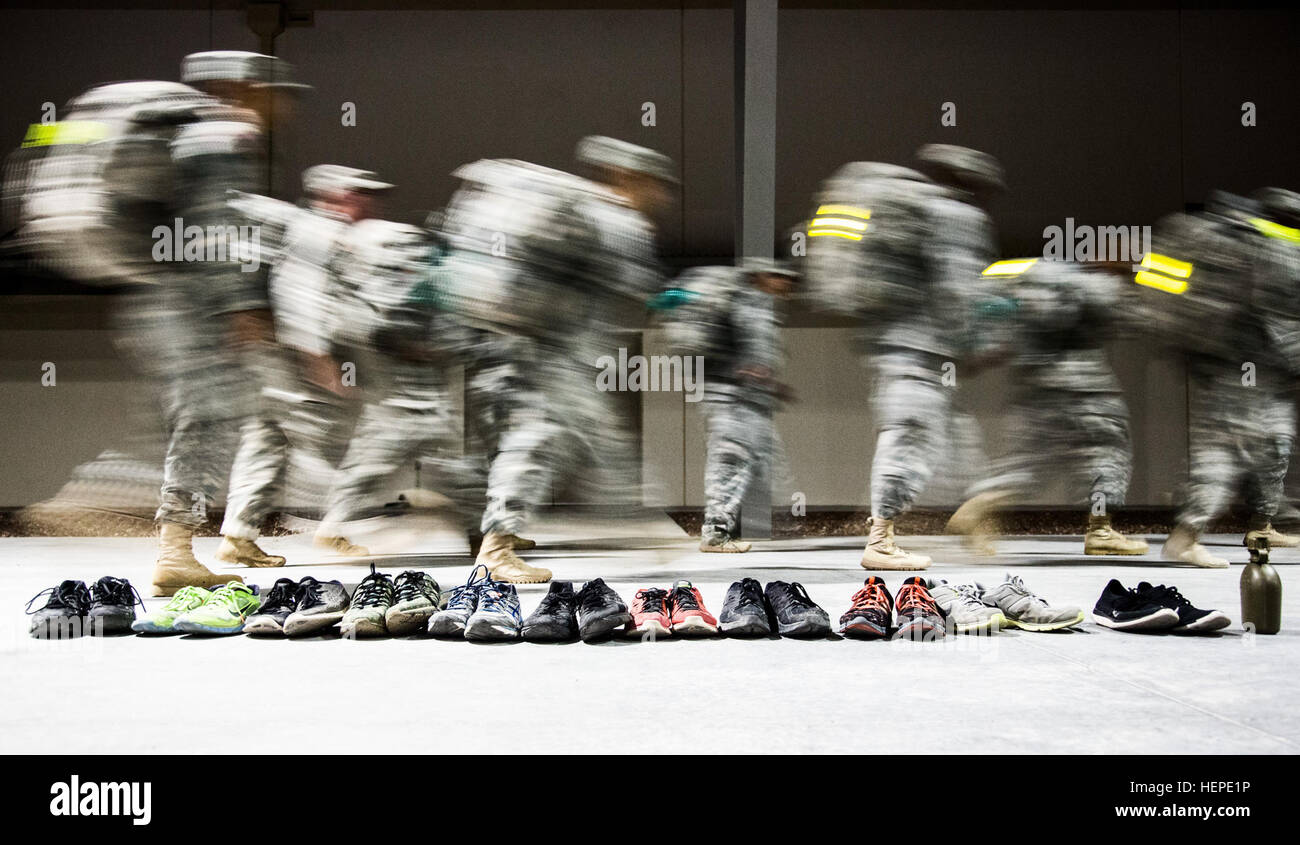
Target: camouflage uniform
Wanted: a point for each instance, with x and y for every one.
(738, 413)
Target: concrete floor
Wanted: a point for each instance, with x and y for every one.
(1090, 690)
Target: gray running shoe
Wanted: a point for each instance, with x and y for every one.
(418, 598)
(368, 607)
(1022, 609)
(321, 604)
(963, 610)
(498, 615)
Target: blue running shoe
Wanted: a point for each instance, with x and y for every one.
(498, 615)
(451, 620)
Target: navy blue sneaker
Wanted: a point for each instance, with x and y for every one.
(1128, 610)
(1191, 620)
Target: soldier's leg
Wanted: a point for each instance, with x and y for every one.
(1270, 459)
(736, 454)
(256, 481)
(1214, 472)
(1011, 477)
(1106, 457)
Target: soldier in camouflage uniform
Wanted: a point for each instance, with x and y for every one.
(1067, 411)
(387, 271)
(740, 390)
(908, 353)
(299, 435)
(1242, 420)
(559, 421)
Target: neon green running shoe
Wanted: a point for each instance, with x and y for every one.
(223, 613)
(163, 620)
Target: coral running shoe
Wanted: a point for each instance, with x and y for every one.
(689, 616)
(919, 617)
(870, 613)
(650, 614)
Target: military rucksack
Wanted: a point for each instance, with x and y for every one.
(70, 183)
(695, 313)
(866, 240)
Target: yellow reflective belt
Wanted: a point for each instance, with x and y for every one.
(64, 132)
(1010, 267)
(1276, 230)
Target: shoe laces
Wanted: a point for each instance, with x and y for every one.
(495, 597)
(913, 597)
(593, 595)
(231, 596)
(375, 589)
(685, 598)
(283, 595)
(117, 591)
(1019, 586)
(1170, 594)
(309, 592)
(187, 598)
(411, 584)
(750, 593)
(653, 600)
(968, 595)
(70, 594)
(871, 596)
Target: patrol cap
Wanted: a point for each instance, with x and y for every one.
(972, 168)
(603, 151)
(1279, 205)
(334, 178)
(239, 66)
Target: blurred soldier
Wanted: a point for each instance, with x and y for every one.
(902, 252)
(1068, 414)
(299, 436)
(732, 323)
(218, 310)
(1241, 383)
(387, 271)
(543, 257)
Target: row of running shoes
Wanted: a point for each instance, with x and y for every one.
(484, 609)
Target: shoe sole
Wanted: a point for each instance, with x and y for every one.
(311, 624)
(364, 629)
(144, 626)
(1162, 620)
(717, 551)
(807, 629)
(442, 625)
(1104, 552)
(263, 627)
(1008, 622)
(1213, 621)
(861, 629)
(64, 629)
(920, 631)
(208, 630)
(490, 629)
(546, 634)
(600, 628)
(109, 625)
(409, 621)
(650, 627)
(694, 626)
(881, 567)
(988, 626)
(745, 626)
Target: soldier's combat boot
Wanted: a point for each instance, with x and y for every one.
(1260, 526)
(177, 567)
(971, 520)
(1102, 539)
(883, 553)
(1181, 546)
(522, 544)
(341, 545)
(725, 544)
(498, 555)
(246, 553)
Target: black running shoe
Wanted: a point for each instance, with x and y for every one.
(112, 606)
(276, 606)
(1191, 620)
(795, 613)
(918, 614)
(64, 614)
(744, 610)
(599, 611)
(1126, 610)
(321, 604)
(553, 620)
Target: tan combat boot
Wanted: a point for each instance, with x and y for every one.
(341, 546)
(522, 544)
(883, 553)
(1181, 546)
(972, 518)
(498, 555)
(725, 545)
(1102, 539)
(1260, 526)
(177, 567)
(246, 553)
